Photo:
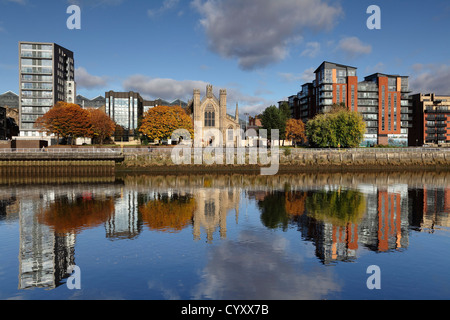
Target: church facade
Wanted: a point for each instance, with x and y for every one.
(210, 112)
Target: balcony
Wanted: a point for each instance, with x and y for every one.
(406, 111)
(437, 110)
(405, 117)
(34, 54)
(405, 124)
(29, 70)
(36, 86)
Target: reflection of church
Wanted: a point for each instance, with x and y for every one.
(211, 211)
(211, 113)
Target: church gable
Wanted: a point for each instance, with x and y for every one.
(211, 112)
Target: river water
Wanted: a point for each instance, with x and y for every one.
(226, 237)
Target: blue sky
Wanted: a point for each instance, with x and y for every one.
(261, 51)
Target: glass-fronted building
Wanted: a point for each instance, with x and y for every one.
(125, 108)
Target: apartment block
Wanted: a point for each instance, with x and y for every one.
(382, 99)
(431, 120)
(46, 76)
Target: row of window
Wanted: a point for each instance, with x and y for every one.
(36, 62)
(44, 47)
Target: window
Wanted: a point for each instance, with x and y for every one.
(383, 107)
(353, 97)
(230, 132)
(210, 117)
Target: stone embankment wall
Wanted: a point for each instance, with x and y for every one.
(305, 160)
(47, 167)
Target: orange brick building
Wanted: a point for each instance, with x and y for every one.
(382, 99)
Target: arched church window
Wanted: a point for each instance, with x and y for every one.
(230, 133)
(210, 116)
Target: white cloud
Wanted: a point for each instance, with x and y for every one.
(97, 3)
(312, 50)
(379, 67)
(353, 47)
(430, 78)
(259, 32)
(84, 80)
(171, 89)
(167, 89)
(21, 2)
(307, 76)
(166, 5)
(261, 270)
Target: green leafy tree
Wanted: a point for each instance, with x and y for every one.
(286, 110)
(339, 128)
(274, 119)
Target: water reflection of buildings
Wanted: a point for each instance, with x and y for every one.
(124, 222)
(432, 208)
(44, 256)
(390, 214)
(211, 211)
(383, 227)
(45, 253)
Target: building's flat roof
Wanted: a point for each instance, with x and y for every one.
(336, 64)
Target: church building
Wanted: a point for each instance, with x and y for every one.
(211, 113)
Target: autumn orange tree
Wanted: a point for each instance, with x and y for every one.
(102, 126)
(66, 120)
(295, 131)
(160, 122)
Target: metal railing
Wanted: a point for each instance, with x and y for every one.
(62, 150)
(169, 149)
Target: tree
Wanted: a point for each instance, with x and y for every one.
(337, 128)
(286, 110)
(273, 119)
(102, 126)
(160, 122)
(66, 120)
(295, 131)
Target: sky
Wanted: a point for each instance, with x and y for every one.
(261, 51)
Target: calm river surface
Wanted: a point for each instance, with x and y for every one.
(234, 237)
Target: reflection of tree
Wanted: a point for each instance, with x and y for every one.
(279, 208)
(168, 214)
(295, 203)
(336, 207)
(273, 211)
(74, 215)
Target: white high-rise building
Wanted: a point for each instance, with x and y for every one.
(46, 76)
